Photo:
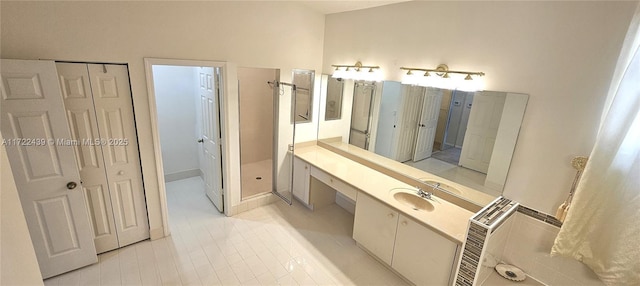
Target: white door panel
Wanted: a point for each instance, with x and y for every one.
(427, 124)
(81, 115)
(32, 108)
(482, 130)
(114, 112)
(209, 94)
(410, 106)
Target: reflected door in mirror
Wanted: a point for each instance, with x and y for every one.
(482, 129)
(427, 124)
(361, 114)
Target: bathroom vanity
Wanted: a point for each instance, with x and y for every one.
(421, 242)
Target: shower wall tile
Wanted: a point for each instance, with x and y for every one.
(496, 244)
(256, 114)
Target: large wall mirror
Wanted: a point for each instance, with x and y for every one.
(302, 105)
(464, 137)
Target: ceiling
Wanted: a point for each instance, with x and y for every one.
(330, 7)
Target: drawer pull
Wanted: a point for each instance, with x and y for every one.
(404, 223)
(390, 215)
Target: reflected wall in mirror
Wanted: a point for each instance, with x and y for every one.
(333, 109)
(302, 110)
(464, 137)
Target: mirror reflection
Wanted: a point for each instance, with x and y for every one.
(464, 137)
(333, 109)
(362, 114)
(302, 104)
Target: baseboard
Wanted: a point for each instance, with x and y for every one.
(182, 175)
(252, 203)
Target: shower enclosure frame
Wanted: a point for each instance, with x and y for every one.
(291, 147)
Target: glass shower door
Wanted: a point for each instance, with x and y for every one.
(361, 114)
(284, 97)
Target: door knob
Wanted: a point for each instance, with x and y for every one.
(71, 185)
(422, 125)
(200, 140)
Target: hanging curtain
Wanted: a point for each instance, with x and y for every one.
(602, 227)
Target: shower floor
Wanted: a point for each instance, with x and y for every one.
(250, 172)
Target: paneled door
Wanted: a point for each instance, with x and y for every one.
(44, 166)
(81, 115)
(114, 112)
(482, 130)
(209, 95)
(404, 141)
(427, 124)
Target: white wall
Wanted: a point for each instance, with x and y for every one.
(281, 35)
(176, 90)
(18, 262)
(514, 108)
(560, 53)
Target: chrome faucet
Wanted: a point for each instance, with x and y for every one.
(423, 194)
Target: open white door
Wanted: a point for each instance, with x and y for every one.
(427, 124)
(404, 141)
(45, 170)
(209, 94)
(482, 129)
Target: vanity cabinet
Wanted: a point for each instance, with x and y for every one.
(421, 255)
(334, 183)
(415, 251)
(301, 180)
(375, 226)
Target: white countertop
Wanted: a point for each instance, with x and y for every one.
(469, 194)
(447, 219)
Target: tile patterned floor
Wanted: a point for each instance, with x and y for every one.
(272, 245)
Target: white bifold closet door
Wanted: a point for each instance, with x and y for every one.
(98, 103)
(45, 171)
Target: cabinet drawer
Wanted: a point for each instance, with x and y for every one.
(335, 183)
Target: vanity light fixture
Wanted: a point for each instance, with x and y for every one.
(357, 72)
(448, 79)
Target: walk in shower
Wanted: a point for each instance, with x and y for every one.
(256, 110)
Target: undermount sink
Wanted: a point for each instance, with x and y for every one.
(441, 186)
(408, 197)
